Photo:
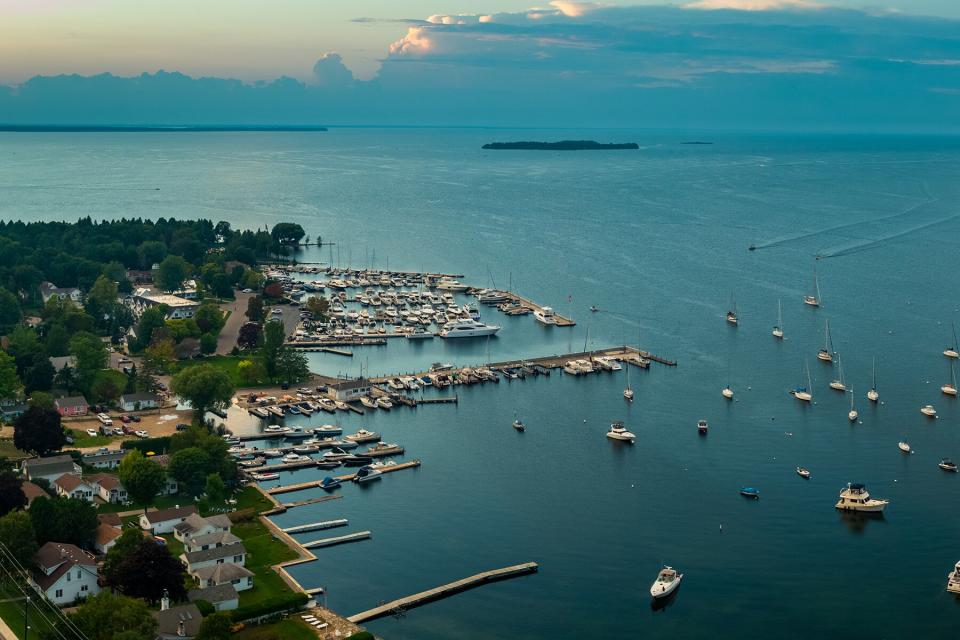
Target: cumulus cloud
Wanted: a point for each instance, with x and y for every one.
(329, 71)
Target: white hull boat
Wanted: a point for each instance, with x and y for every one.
(856, 498)
(668, 580)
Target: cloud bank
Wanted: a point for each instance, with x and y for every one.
(788, 64)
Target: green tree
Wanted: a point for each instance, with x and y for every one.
(218, 626)
(91, 356)
(39, 377)
(292, 365)
(107, 386)
(287, 233)
(66, 378)
(160, 355)
(41, 399)
(64, 520)
(9, 311)
(17, 535)
(250, 372)
(273, 339)
(10, 385)
(57, 340)
(148, 571)
(172, 272)
(208, 343)
(249, 336)
(255, 310)
(151, 252)
(106, 616)
(11, 492)
(39, 431)
(204, 386)
(143, 478)
(215, 488)
(188, 467)
(101, 299)
(209, 318)
(319, 306)
(129, 540)
(150, 320)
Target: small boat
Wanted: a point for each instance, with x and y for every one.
(813, 300)
(381, 449)
(803, 393)
(619, 432)
(952, 352)
(928, 411)
(855, 497)
(668, 580)
(305, 449)
(702, 427)
(904, 446)
(328, 430)
(328, 464)
(594, 308)
(255, 462)
(295, 457)
(778, 328)
(727, 392)
(953, 580)
(803, 473)
(948, 465)
(272, 453)
(384, 403)
(852, 415)
(518, 425)
(265, 476)
(732, 312)
(294, 409)
(366, 474)
(750, 492)
(826, 354)
(950, 388)
(873, 395)
(368, 402)
(329, 483)
(362, 435)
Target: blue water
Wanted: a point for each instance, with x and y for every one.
(657, 239)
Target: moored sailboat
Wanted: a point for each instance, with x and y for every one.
(950, 388)
(826, 353)
(778, 328)
(804, 393)
(852, 415)
(953, 351)
(732, 312)
(873, 395)
(839, 384)
(813, 300)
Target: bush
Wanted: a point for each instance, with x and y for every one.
(157, 445)
(205, 607)
(277, 604)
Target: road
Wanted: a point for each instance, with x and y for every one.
(228, 335)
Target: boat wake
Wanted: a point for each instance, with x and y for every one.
(877, 242)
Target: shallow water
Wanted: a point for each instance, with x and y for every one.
(657, 239)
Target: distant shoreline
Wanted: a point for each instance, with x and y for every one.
(96, 128)
(563, 145)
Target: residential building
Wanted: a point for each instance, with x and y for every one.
(239, 577)
(10, 411)
(105, 458)
(231, 553)
(164, 520)
(178, 623)
(59, 362)
(139, 401)
(71, 485)
(108, 487)
(65, 573)
(177, 308)
(49, 468)
(196, 525)
(106, 537)
(72, 406)
(350, 390)
(223, 597)
(210, 541)
(49, 290)
(32, 492)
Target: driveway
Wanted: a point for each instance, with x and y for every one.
(228, 335)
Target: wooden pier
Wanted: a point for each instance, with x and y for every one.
(329, 542)
(282, 508)
(559, 320)
(313, 484)
(317, 526)
(417, 599)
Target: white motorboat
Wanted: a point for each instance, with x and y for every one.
(450, 285)
(803, 473)
(328, 430)
(468, 329)
(518, 425)
(727, 392)
(948, 465)
(839, 384)
(295, 457)
(954, 351)
(368, 402)
(852, 415)
(778, 328)
(619, 432)
(928, 411)
(702, 427)
(904, 446)
(384, 403)
(545, 315)
(953, 580)
(826, 353)
(366, 474)
(362, 435)
(855, 497)
(873, 395)
(668, 580)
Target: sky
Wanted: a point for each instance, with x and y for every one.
(893, 64)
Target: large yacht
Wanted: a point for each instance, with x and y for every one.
(953, 580)
(546, 315)
(619, 432)
(450, 285)
(467, 329)
(856, 498)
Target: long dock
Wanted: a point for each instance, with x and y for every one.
(312, 484)
(417, 599)
(329, 542)
(282, 508)
(317, 526)
(559, 320)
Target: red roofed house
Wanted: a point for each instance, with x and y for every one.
(65, 573)
(70, 485)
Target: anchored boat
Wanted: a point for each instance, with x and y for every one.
(668, 580)
(855, 497)
(619, 432)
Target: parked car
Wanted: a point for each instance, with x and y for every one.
(92, 433)
(248, 290)
(118, 431)
(182, 427)
(135, 418)
(125, 419)
(141, 434)
(68, 439)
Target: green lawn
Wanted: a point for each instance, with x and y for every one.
(160, 502)
(12, 614)
(263, 551)
(82, 439)
(229, 364)
(10, 452)
(251, 498)
(289, 629)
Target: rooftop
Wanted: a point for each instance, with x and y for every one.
(172, 513)
(215, 553)
(213, 595)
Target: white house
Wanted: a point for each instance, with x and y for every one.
(196, 525)
(223, 597)
(177, 308)
(49, 468)
(209, 541)
(350, 390)
(139, 401)
(108, 488)
(239, 577)
(65, 573)
(227, 554)
(164, 520)
(49, 290)
(105, 458)
(70, 485)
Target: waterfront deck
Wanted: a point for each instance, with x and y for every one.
(418, 599)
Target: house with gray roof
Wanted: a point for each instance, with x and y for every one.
(229, 553)
(197, 525)
(239, 577)
(105, 458)
(139, 401)
(223, 597)
(49, 468)
(65, 573)
(178, 623)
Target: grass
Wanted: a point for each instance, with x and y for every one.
(228, 364)
(263, 551)
(82, 439)
(160, 502)
(12, 613)
(289, 629)
(250, 498)
(10, 452)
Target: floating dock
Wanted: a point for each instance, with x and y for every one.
(317, 526)
(282, 508)
(329, 542)
(418, 599)
(312, 484)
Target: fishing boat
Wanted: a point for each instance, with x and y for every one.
(732, 312)
(668, 580)
(619, 432)
(948, 465)
(950, 388)
(750, 492)
(852, 415)
(803, 473)
(928, 411)
(702, 427)
(904, 446)
(953, 580)
(855, 497)
(839, 384)
(813, 300)
(362, 435)
(518, 425)
(873, 395)
(953, 352)
(778, 328)
(366, 474)
(803, 393)
(826, 354)
(727, 392)
(382, 449)
(329, 483)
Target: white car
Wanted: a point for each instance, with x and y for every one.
(248, 290)
(92, 433)
(141, 434)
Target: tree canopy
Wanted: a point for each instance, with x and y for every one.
(106, 616)
(39, 431)
(143, 478)
(64, 520)
(204, 386)
(147, 571)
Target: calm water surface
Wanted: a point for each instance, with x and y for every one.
(657, 239)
